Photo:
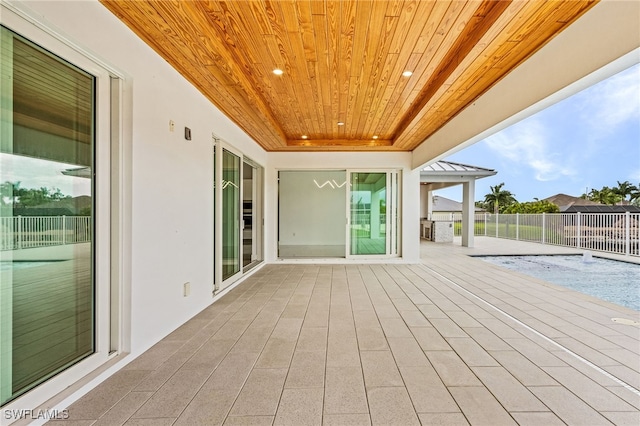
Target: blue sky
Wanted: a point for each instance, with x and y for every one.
(589, 140)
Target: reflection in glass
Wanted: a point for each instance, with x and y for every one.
(368, 229)
(230, 214)
(46, 223)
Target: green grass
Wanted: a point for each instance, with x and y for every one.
(509, 231)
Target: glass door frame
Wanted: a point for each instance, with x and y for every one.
(392, 224)
(219, 284)
(257, 229)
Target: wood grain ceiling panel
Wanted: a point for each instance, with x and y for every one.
(485, 67)
(343, 61)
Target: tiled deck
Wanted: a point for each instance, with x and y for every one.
(386, 344)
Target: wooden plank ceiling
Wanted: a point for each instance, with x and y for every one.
(343, 61)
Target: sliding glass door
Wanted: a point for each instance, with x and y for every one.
(247, 215)
(238, 212)
(368, 213)
(230, 214)
(374, 223)
(312, 213)
(338, 213)
(47, 223)
(251, 214)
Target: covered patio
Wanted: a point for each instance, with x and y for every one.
(189, 113)
(452, 340)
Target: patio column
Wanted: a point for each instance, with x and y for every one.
(426, 205)
(468, 212)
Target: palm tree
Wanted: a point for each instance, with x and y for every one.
(498, 197)
(634, 197)
(625, 189)
(605, 196)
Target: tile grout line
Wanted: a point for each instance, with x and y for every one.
(358, 272)
(254, 286)
(284, 383)
(448, 388)
(547, 339)
(383, 268)
(228, 290)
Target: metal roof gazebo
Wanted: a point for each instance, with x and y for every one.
(443, 174)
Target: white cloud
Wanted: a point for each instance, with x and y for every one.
(39, 173)
(612, 102)
(527, 144)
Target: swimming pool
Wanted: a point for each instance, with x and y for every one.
(610, 280)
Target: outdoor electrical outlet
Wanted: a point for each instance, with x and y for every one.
(187, 289)
(172, 125)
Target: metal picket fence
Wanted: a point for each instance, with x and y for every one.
(617, 233)
(21, 232)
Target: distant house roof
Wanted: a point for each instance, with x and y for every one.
(569, 204)
(442, 204)
(564, 202)
(601, 208)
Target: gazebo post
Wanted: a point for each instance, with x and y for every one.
(468, 212)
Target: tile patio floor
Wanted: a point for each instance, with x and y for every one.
(451, 341)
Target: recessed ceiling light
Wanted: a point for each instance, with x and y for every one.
(340, 123)
(304, 136)
(375, 136)
(407, 73)
(278, 71)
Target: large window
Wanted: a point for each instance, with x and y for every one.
(47, 215)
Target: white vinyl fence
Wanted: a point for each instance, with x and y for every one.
(617, 233)
(20, 232)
